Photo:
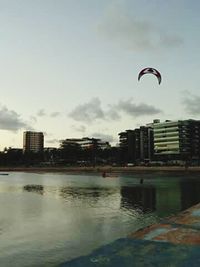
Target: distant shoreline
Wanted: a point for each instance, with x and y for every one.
(136, 169)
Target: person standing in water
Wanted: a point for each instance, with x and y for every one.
(104, 174)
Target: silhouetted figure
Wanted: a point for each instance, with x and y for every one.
(104, 174)
(141, 181)
(186, 165)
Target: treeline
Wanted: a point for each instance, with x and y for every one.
(70, 155)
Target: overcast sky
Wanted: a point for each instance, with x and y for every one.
(69, 67)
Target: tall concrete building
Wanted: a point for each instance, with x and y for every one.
(127, 146)
(33, 141)
(177, 139)
(136, 145)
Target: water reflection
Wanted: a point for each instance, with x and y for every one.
(85, 192)
(65, 216)
(189, 193)
(34, 188)
(165, 198)
(139, 197)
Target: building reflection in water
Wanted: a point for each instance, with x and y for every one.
(166, 198)
(138, 197)
(168, 195)
(189, 193)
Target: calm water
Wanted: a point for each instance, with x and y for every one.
(47, 219)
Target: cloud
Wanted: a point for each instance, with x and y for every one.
(103, 137)
(113, 114)
(80, 128)
(54, 114)
(132, 33)
(92, 111)
(191, 103)
(41, 113)
(88, 112)
(11, 121)
(135, 110)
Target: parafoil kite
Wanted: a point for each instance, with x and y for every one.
(151, 71)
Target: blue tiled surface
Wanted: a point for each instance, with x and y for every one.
(173, 244)
(137, 253)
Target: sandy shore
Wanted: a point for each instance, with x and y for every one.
(100, 169)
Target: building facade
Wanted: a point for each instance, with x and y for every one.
(85, 151)
(85, 143)
(136, 145)
(126, 146)
(177, 139)
(33, 142)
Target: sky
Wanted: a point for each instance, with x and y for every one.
(69, 68)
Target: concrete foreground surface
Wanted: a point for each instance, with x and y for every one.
(175, 241)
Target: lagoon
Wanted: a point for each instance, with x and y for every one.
(49, 218)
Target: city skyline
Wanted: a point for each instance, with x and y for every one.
(69, 68)
(71, 138)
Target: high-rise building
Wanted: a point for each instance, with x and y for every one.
(136, 145)
(146, 143)
(127, 146)
(33, 141)
(177, 139)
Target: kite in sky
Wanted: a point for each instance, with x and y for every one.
(150, 71)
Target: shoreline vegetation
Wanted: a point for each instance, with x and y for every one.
(107, 169)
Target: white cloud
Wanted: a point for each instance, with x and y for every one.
(10, 120)
(137, 110)
(88, 112)
(91, 111)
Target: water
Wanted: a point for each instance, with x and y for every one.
(47, 219)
